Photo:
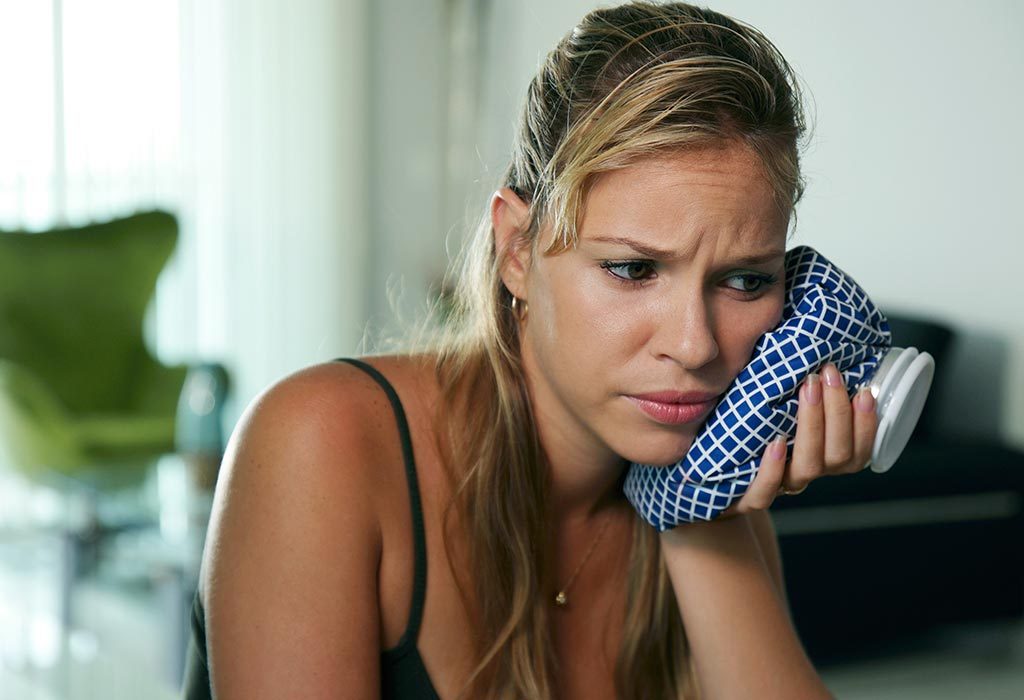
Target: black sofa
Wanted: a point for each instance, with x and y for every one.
(873, 562)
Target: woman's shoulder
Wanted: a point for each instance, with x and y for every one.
(334, 412)
(328, 407)
(297, 512)
(342, 399)
(318, 433)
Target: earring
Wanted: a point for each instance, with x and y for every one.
(515, 310)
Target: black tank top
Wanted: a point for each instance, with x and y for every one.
(402, 673)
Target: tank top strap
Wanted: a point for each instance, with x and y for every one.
(408, 639)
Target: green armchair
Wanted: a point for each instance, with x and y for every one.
(79, 390)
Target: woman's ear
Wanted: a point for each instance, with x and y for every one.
(510, 217)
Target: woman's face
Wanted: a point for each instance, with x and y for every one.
(662, 294)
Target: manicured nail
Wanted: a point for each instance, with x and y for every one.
(832, 377)
(864, 400)
(778, 447)
(812, 389)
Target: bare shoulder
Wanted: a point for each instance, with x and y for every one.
(312, 432)
(330, 406)
(307, 431)
(295, 528)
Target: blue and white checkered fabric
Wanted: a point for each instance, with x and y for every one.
(827, 317)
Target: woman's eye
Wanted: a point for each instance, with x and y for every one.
(630, 270)
(760, 282)
(636, 273)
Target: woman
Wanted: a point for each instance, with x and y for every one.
(636, 248)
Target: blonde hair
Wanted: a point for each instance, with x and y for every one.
(628, 82)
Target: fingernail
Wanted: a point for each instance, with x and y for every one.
(864, 401)
(812, 390)
(832, 377)
(778, 447)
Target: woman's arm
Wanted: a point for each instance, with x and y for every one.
(764, 529)
(740, 634)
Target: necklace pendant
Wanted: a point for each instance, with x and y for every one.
(560, 599)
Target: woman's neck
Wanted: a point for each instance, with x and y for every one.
(583, 483)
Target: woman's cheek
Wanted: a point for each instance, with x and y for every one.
(605, 306)
(740, 339)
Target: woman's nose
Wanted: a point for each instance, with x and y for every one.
(685, 332)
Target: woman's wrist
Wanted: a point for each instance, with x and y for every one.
(741, 636)
(735, 527)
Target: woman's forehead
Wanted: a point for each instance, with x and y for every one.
(678, 200)
(728, 171)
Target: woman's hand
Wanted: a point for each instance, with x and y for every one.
(834, 435)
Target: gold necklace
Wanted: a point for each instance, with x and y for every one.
(561, 599)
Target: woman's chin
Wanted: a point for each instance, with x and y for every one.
(657, 455)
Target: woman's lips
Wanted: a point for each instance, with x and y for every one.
(674, 413)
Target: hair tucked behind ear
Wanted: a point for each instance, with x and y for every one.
(627, 83)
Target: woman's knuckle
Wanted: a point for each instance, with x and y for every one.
(808, 471)
(855, 465)
(840, 456)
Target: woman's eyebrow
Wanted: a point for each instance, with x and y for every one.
(652, 252)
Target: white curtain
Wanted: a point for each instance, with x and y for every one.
(271, 271)
(90, 125)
